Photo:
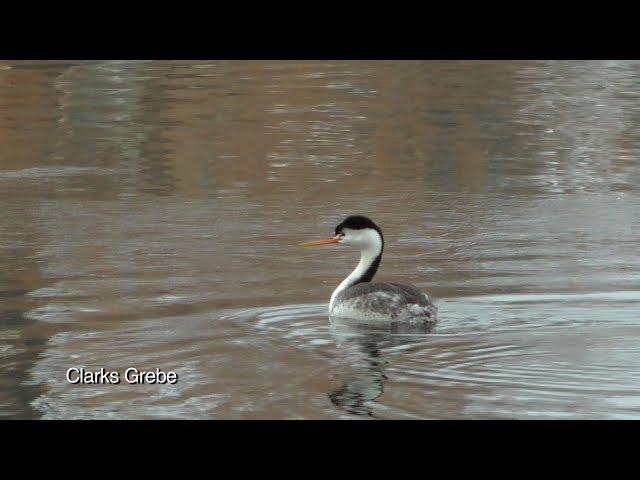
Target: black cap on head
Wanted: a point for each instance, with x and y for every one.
(357, 222)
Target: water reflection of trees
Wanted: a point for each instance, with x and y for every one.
(28, 132)
(265, 127)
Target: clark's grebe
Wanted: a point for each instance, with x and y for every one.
(356, 297)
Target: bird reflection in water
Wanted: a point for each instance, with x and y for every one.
(363, 345)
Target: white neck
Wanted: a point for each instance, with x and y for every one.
(368, 254)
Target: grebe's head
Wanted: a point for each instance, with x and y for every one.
(357, 231)
(360, 232)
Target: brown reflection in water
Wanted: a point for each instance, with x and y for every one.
(28, 131)
(22, 339)
(28, 126)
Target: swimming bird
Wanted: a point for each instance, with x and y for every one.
(356, 297)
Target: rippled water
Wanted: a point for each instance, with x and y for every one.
(152, 211)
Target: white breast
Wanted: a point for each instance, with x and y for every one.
(371, 248)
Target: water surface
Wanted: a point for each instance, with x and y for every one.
(152, 211)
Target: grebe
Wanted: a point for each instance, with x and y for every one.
(356, 297)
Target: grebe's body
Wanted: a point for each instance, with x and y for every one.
(356, 297)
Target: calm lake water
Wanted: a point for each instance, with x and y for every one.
(151, 215)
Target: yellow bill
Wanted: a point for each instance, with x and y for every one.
(317, 243)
